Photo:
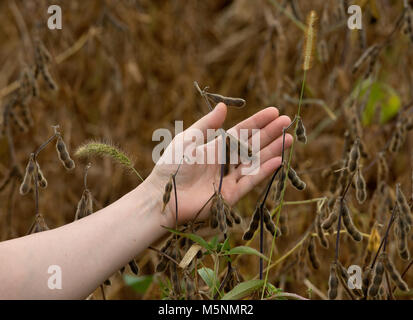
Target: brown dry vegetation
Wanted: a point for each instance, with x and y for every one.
(126, 68)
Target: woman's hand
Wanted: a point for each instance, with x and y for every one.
(196, 182)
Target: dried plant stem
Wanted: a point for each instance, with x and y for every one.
(343, 195)
(384, 240)
(298, 23)
(286, 176)
(164, 254)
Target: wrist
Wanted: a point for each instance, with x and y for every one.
(150, 194)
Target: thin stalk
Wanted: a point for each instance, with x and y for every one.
(285, 178)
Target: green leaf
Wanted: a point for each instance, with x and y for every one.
(376, 95)
(225, 246)
(139, 284)
(214, 242)
(390, 108)
(208, 276)
(383, 95)
(193, 237)
(246, 250)
(243, 289)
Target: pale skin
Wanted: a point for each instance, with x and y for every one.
(90, 250)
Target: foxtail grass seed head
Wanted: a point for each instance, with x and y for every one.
(301, 132)
(394, 274)
(295, 180)
(167, 193)
(63, 154)
(354, 156)
(361, 190)
(310, 40)
(333, 282)
(327, 223)
(96, 148)
(348, 222)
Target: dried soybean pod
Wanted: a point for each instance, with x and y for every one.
(89, 202)
(401, 235)
(162, 264)
(213, 220)
(221, 216)
(332, 282)
(300, 132)
(354, 156)
(235, 216)
(382, 168)
(81, 207)
(63, 154)
(403, 206)
(320, 233)
(348, 223)
(377, 279)
(270, 225)
(41, 180)
(366, 280)
(361, 190)
(312, 253)
(398, 137)
(253, 225)
(167, 193)
(39, 224)
(134, 266)
(327, 223)
(229, 101)
(283, 224)
(25, 186)
(295, 180)
(394, 274)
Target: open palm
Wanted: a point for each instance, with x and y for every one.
(196, 182)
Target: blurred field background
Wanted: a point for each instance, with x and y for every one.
(126, 68)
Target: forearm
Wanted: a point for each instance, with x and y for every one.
(88, 251)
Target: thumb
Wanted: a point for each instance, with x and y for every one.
(213, 120)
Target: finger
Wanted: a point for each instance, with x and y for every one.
(213, 120)
(247, 183)
(272, 131)
(272, 150)
(257, 121)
